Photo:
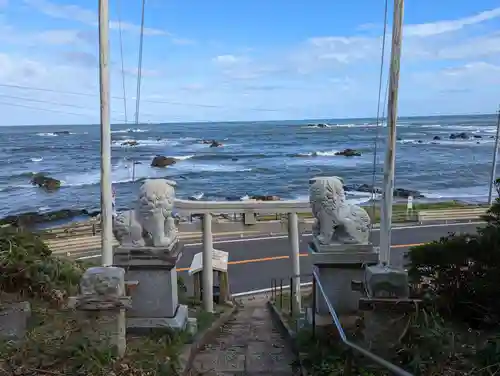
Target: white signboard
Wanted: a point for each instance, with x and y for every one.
(409, 205)
(219, 261)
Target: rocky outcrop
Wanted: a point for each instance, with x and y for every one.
(436, 138)
(461, 135)
(45, 182)
(398, 192)
(349, 153)
(212, 143)
(30, 219)
(59, 133)
(215, 144)
(130, 143)
(264, 198)
(162, 161)
(477, 136)
(319, 125)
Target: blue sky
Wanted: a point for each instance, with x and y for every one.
(245, 60)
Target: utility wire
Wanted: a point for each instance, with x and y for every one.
(45, 109)
(118, 6)
(139, 65)
(377, 135)
(143, 100)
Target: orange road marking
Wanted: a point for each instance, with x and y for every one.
(264, 259)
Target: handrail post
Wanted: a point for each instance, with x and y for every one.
(293, 236)
(207, 272)
(313, 318)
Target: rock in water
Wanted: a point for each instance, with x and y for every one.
(46, 182)
(215, 144)
(162, 161)
(349, 153)
(130, 143)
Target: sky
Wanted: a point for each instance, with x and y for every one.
(245, 60)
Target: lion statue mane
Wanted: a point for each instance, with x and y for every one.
(337, 221)
(151, 223)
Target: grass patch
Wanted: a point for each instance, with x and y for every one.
(55, 342)
(430, 346)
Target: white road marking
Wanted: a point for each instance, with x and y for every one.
(250, 239)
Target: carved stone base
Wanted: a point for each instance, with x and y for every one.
(14, 320)
(385, 282)
(156, 293)
(337, 266)
(384, 325)
(146, 324)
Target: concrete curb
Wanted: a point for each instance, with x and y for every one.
(288, 334)
(190, 351)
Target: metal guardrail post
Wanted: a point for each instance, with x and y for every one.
(348, 363)
(281, 293)
(313, 319)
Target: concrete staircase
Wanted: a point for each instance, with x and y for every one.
(247, 345)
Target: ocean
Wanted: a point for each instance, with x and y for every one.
(257, 158)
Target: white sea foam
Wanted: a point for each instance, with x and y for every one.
(182, 157)
(130, 130)
(125, 143)
(124, 172)
(39, 159)
(455, 142)
(330, 153)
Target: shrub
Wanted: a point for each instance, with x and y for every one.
(27, 267)
(462, 271)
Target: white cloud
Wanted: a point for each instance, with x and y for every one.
(333, 75)
(85, 16)
(427, 41)
(440, 27)
(227, 59)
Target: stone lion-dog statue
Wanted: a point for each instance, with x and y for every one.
(151, 223)
(337, 221)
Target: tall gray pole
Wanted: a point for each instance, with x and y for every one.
(494, 163)
(139, 65)
(392, 115)
(106, 189)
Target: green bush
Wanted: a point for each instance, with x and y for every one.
(461, 272)
(28, 268)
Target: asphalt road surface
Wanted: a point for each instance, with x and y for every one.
(255, 261)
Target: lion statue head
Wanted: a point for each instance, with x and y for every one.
(326, 193)
(157, 196)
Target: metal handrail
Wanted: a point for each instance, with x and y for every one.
(380, 361)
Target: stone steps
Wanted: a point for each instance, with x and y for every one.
(248, 344)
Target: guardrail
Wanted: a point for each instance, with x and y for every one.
(241, 216)
(317, 286)
(289, 308)
(447, 215)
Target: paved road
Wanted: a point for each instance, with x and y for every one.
(255, 261)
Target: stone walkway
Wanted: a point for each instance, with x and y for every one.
(247, 345)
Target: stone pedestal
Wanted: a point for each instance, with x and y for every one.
(102, 303)
(387, 307)
(14, 319)
(337, 266)
(155, 302)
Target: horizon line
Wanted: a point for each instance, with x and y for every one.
(253, 121)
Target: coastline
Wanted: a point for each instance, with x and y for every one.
(66, 217)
